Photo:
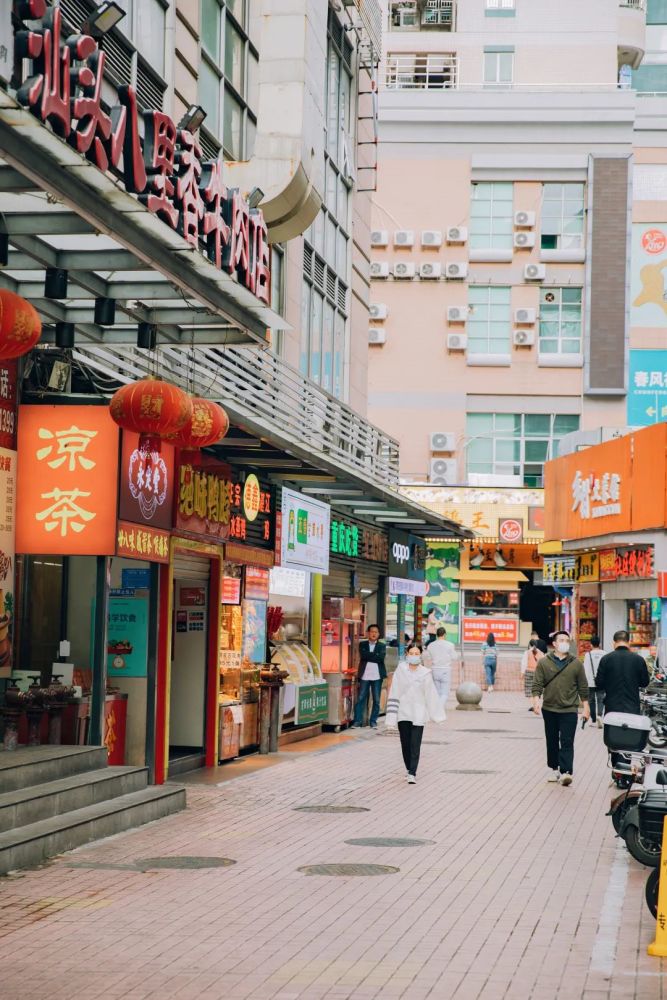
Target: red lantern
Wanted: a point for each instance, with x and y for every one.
(20, 325)
(154, 408)
(208, 425)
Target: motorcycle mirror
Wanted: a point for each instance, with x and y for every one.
(661, 778)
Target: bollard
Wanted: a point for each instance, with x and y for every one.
(659, 946)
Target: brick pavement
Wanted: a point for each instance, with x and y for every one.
(518, 897)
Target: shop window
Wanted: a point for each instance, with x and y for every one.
(39, 619)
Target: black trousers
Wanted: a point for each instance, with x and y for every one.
(559, 729)
(596, 702)
(411, 744)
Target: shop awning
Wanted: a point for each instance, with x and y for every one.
(479, 579)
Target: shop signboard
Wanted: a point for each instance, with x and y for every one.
(647, 274)
(146, 483)
(248, 555)
(559, 569)
(7, 557)
(305, 533)
(8, 398)
(312, 703)
(127, 637)
(510, 530)
(647, 390)
(505, 630)
(254, 630)
(231, 583)
(67, 483)
(407, 556)
(218, 504)
(135, 541)
(135, 579)
(358, 542)
(442, 579)
(192, 597)
(166, 171)
(256, 583)
(504, 556)
(588, 567)
(635, 563)
(607, 564)
(655, 609)
(411, 588)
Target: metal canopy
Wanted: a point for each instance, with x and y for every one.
(59, 210)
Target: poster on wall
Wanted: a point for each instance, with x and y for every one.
(505, 630)
(7, 557)
(254, 631)
(127, 637)
(648, 270)
(647, 388)
(442, 578)
(305, 533)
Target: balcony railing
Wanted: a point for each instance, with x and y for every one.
(421, 72)
(261, 391)
(417, 15)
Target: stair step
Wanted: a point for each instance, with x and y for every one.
(31, 844)
(36, 802)
(39, 765)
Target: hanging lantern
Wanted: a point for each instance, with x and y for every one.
(20, 325)
(153, 408)
(208, 424)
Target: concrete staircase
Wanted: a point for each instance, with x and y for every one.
(53, 799)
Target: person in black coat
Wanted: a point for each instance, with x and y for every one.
(371, 674)
(621, 675)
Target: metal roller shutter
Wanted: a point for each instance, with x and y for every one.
(339, 581)
(192, 568)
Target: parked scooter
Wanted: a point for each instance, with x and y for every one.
(626, 737)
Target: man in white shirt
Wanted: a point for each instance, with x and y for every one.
(371, 674)
(440, 656)
(591, 662)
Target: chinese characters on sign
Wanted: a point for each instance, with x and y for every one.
(357, 542)
(134, 541)
(146, 483)
(510, 529)
(559, 569)
(8, 403)
(595, 496)
(7, 557)
(305, 532)
(505, 630)
(67, 480)
(634, 564)
(647, 391)
(211, 503)
(63, 88)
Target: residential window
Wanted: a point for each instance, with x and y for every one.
(560, 320)
(489, 320)
(515, 444)
(562, 217)
(656, 12)
(500, 4)
(144, 24)
(650, 79)
(498, 67)
(491, 216)
(228, 74)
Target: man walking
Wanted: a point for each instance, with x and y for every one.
(561, 680)
(370, 674)
(440, 656)
(591, 663)
(621, 675)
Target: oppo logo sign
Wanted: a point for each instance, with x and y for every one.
(401, 553)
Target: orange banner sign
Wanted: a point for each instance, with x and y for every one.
(138, 541)
(67, 481)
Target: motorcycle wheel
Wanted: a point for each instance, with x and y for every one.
(657, 740)
(643, 851)
(618, 814)
(651, 891)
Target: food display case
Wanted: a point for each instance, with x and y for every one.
(341, 632)
(231, 725)
(304, 670)
(239, 678)
(587, 622)
(642, 624)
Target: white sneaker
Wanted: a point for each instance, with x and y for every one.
(553, 776)
(599, 724)
(412, 780)
(566, 780)
(491, 688)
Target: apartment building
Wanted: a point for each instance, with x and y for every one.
(518, 237)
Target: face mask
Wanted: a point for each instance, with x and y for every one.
(413, 660)
(563, 647)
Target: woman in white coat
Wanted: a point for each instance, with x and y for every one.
(413, 701)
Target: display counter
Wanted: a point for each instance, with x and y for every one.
(305, 698)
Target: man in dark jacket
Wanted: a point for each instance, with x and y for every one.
(621, 675)
(561, 679)
(370, 674)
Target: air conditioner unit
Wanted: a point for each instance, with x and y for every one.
(379, 238)
(430, 270)
(525, 219)
(378, 310)
(457, 341)
(524, 315)
(524, 338)
(404, 270)
(442, 471)
(534, 272)
(442, 440)
(404, 238)
(524, 241)
(456, 271)
(379, 269)
(457, 314)
(431, 238)
(376, 335)
(457, 234)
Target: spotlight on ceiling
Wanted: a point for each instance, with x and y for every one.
(147, 336)
(255, 196)
(64, 334)
(55, 283)
(105, 311)
(193, 118)
(105, 17)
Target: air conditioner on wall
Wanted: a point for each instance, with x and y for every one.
(457, 314)
(379, 238)
(524, 241)
(378, 310)
(376, 335)
(457, 341)
(456, 271)
(457, 234)
(526, 219)
(534, 272)
(442, 471)
(430, 270)
(404, 238)
(404, 270)
(523, 338)
(442, 440)
(524, 315)
(431, 238)
(379, 269)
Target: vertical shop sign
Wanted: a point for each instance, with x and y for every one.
(127, 637)
(608, 564)
(305, 533)
(8, 404)
(7, 556)
(146, 486)
(254, 631)
(256, 583)
(66, 493)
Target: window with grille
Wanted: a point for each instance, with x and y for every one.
(420, 71)
(562, 226)
(491, 216)
(515, 444)
(560, 320)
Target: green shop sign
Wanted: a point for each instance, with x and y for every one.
(357, 542)
(345, 539)
(312, 703)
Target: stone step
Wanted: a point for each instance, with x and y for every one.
(39, 765)
(32, 844)
(36, 802)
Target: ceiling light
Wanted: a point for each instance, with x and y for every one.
(105, 17)
(55, 283)
(64, 334)
(105, 311)
(147, 336)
